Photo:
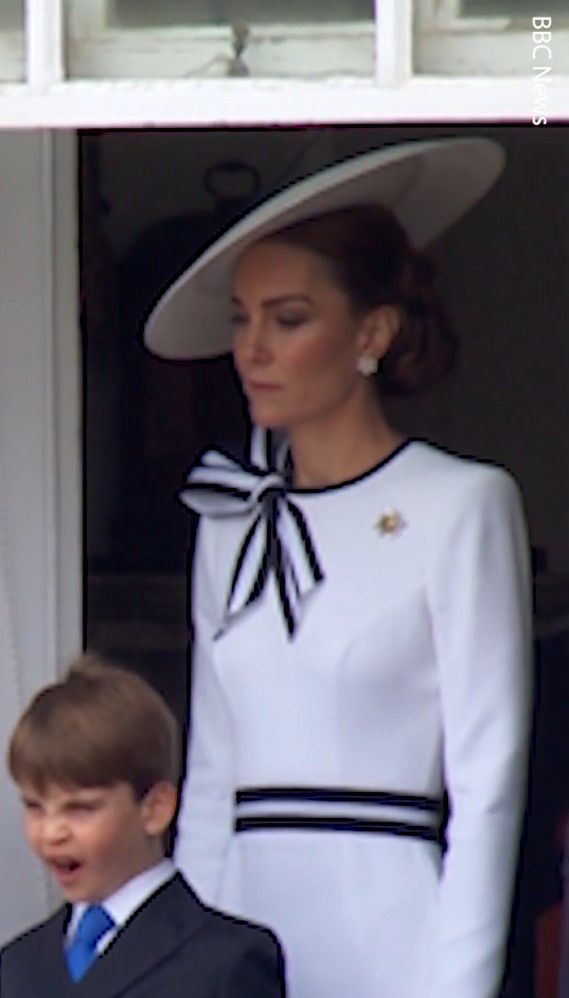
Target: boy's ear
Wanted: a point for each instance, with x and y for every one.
(159, 807)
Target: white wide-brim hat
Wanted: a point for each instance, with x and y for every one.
(429, 185)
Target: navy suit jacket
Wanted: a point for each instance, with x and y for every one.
(171, 947)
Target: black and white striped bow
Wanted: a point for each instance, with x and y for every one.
(277, 540)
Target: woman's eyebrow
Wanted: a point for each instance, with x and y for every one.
(278, 300)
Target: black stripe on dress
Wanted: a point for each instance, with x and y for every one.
(301, 822)
(337, 795)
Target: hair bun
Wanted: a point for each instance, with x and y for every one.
(418, 276)
(425, 348)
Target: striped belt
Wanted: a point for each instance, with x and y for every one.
(338, 809)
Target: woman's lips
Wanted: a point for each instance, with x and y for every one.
(261, 386)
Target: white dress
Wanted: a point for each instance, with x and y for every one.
(409, 671)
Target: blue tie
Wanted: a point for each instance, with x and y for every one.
(93, 924)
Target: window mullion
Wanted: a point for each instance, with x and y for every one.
(44, 43)
(393, 41)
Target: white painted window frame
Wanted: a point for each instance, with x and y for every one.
(40, 457)
(396, 94)
(40, 409)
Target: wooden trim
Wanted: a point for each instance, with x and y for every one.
(66, 398)
(394, 35)
(44, 43)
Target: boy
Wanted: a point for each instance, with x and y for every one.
(96, 760)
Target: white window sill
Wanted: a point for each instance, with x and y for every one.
(188, 103)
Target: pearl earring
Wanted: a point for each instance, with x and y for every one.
(367, 365)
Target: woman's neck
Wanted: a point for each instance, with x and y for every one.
(334, 451)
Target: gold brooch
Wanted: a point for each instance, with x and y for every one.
(390, 522)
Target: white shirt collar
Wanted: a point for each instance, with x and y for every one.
(126, 900)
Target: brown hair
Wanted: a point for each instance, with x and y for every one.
(100, 725)
(372, 260)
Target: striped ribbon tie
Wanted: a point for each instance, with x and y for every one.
(277, 540)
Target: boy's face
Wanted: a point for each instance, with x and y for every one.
(94, 839)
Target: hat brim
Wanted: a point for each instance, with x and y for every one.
(429, 185)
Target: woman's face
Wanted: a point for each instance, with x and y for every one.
(296, 339)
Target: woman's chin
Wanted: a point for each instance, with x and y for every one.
(263, 416)
(268, 424)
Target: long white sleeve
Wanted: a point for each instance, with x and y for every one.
(479, 593)
(206, 812)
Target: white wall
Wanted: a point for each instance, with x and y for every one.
(39, 454)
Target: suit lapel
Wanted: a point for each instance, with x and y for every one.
(48, 963)
(156, 929)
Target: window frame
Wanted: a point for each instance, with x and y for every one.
(46, 98)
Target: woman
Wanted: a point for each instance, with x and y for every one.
(361, 617)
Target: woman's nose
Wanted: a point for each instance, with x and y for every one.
(255, 343)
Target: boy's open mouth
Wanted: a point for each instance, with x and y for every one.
(65, 867)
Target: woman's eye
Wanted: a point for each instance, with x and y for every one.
(237, 320)
(291, 321)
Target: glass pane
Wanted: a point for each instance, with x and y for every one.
(509, 8)
(141, 12)
(11, 40)
(498, 44)
(136, 39)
